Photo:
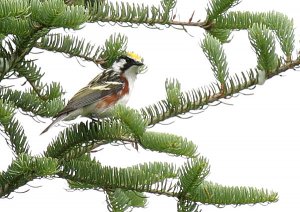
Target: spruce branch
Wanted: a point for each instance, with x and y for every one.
(23, 46)
(131, 119)
(173, 90)
(113, 47)
(31, 104)
(17, 8)
(13, 17)
(122, 200)
(218, 7)
(263, 43)
(186, 205)
(24, 169)
(191, 175)
(71, 144)
(33, 75)
(56, 14)
(74, 46)
(15, 136)
(284, 30)
(223, 35)
(214, 52)
(107, 12)
(143, 177)
(16, 26)
(20, 67)
(6, 50)
(151, 177)
(70, 45)
(212, 193)
(280, 24)
(168, 143)
(200, 98)
(89, 174)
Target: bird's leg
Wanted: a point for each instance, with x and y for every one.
(135, 145)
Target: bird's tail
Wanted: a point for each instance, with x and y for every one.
(58, 119)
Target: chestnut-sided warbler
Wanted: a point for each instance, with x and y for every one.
(111, 87)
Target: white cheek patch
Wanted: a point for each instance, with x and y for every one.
(118, 65)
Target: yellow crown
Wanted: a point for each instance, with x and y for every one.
(134, 56)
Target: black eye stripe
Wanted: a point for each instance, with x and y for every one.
(127, 59)
(128, 64)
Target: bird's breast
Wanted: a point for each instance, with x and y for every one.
(114, 98)
(103, 107)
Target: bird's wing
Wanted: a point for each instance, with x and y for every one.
(91, 94)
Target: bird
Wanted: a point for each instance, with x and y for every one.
(111, 87)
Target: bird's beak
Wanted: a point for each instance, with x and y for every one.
(137, 63)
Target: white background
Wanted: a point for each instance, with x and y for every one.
(254, 142)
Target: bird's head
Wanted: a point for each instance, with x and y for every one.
(128, 62)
